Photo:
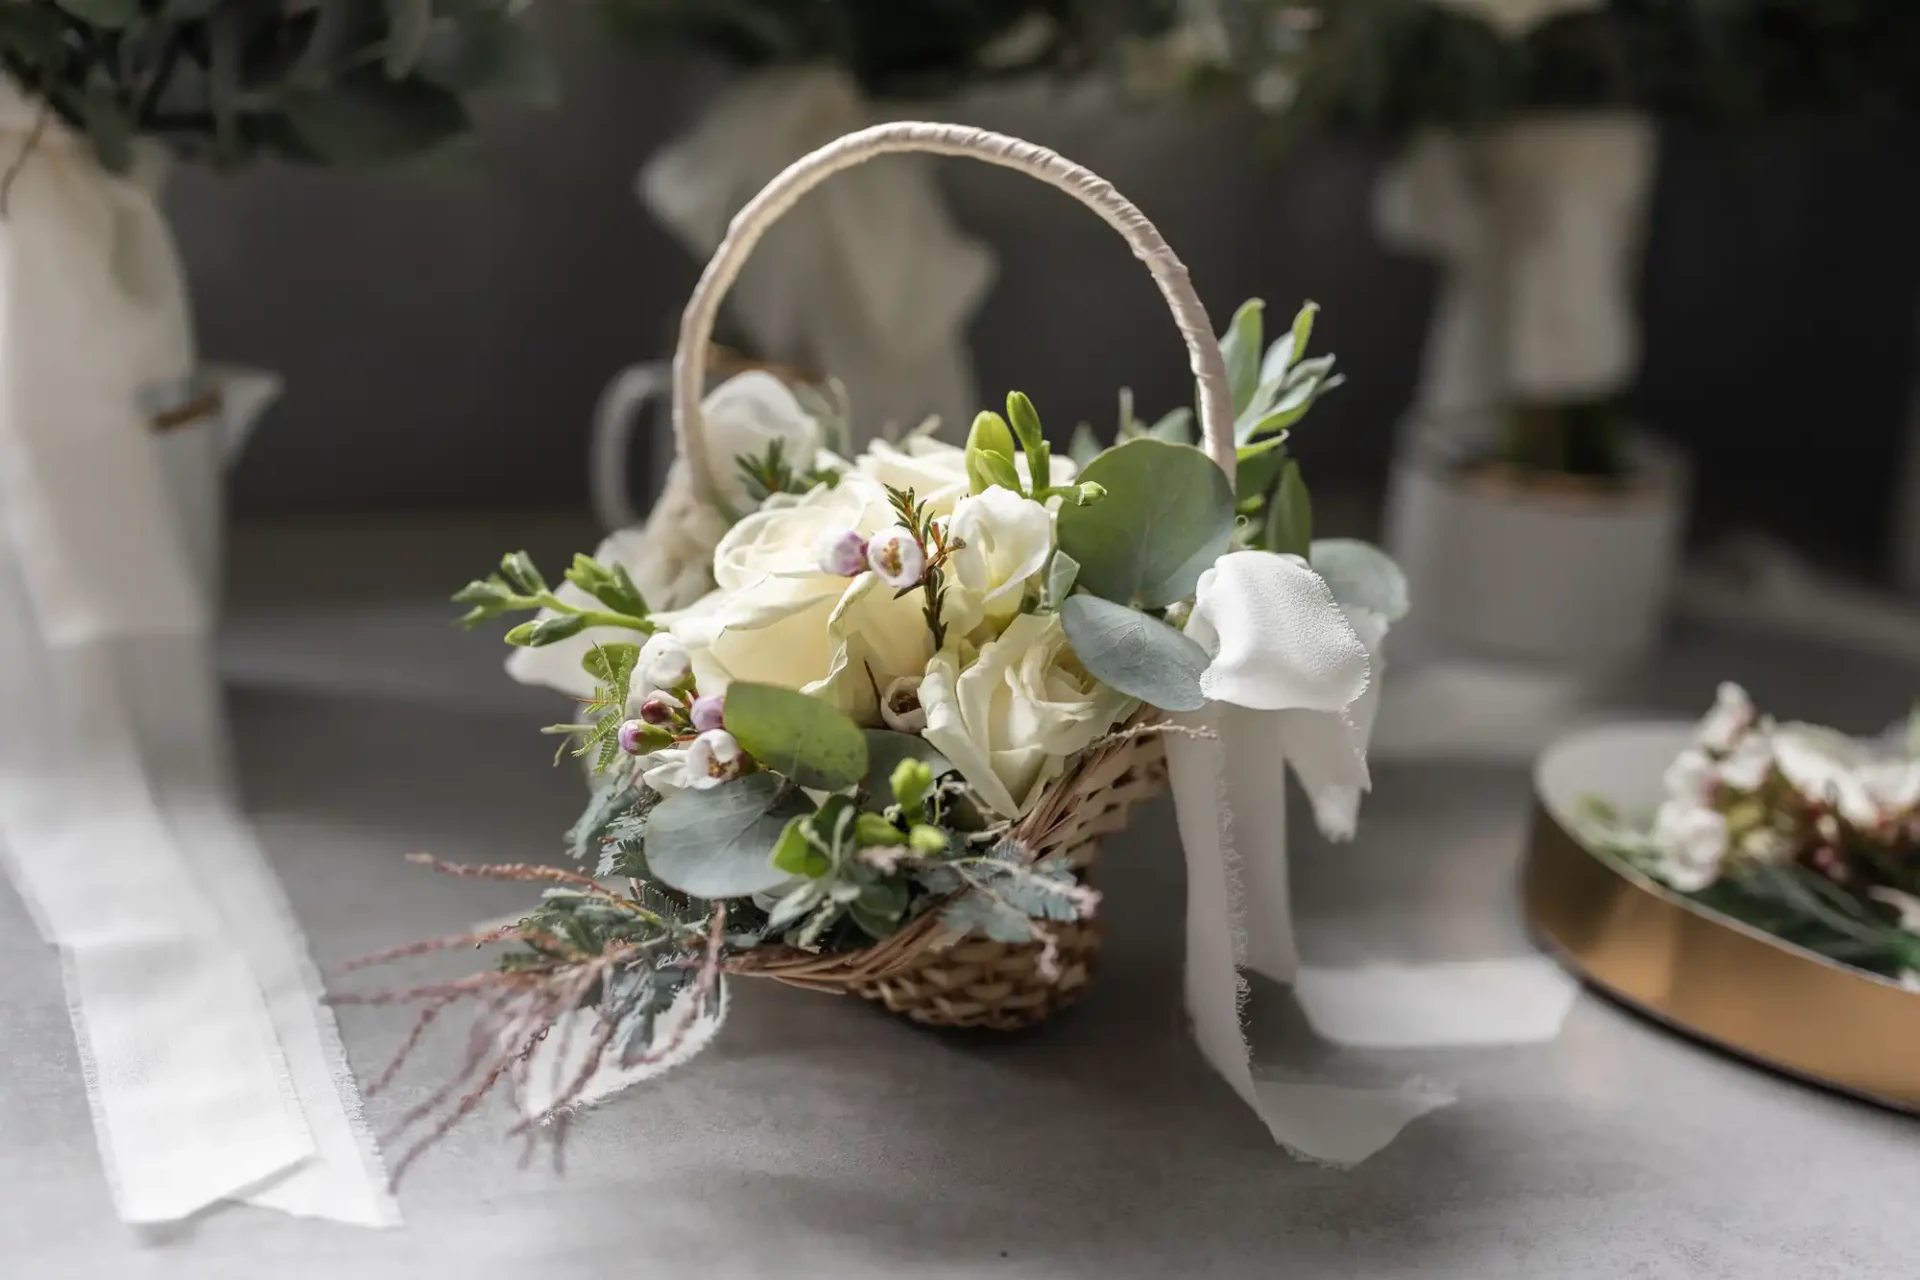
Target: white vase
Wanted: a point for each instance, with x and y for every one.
(1539, 227)
(195, 457)
(1561, 579)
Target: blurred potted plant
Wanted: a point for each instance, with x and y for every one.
(121, 430)
(1533, 520)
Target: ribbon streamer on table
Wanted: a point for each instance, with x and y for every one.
(211, 1070)
(869, 277)
(1292, 684)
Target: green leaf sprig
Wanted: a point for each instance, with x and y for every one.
(519, 587)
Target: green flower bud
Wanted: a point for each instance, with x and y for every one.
(870, 829)
(927, 839)
(1089, 491)
(911, 781)
(991, 434)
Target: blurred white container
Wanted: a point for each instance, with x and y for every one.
(1562, 577)
(197, 453)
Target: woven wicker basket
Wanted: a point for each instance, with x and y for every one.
(924, 972)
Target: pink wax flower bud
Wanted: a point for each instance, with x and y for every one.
(709, 713)
(843, 553)
(660, 708)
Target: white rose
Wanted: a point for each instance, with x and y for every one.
(1006, 540)
(937, 471)
(670, 558)
(777, 618)
(743, 417)
(1010, 721)
(1517, 17)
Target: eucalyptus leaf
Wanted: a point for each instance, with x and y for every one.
(367, 119)
(797, 735)
(611, 664)
(1167, 516)
(1085, 446)
(1241, 347)
(110, 14)
(1290, 515)
(719, 843)
(1175, 426)
(1136, 654)
(1062, 572)
(1361, 576)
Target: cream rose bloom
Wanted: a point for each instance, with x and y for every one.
(1006, 541)
(670, 557)
(937, 471)
(777, 619)
(1011, 719)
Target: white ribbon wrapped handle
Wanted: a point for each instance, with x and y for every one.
(808, 172)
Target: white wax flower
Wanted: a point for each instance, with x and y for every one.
(713, 758)
(1006, 541)
(1517, 17)
(1011, 719)
(1280, 643)
(1733, 714)
(1826, 765)
(777, 618)
(1746, 766)
(1906, 907)
(1691, 845)
(663, 664)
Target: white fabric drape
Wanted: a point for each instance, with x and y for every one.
(211, 1070)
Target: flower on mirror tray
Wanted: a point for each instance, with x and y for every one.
(1798, 829)
(900, 655)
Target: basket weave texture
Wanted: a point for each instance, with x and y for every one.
(926, 974)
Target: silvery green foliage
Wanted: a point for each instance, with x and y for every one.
(901, 48)
(336, 82)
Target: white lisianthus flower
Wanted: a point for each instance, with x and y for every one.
(1690, 841)
(1279, 642)
(1006, 541)
(670, 558)
(1011, 719)
(1517, 17)
(666, 771)
(937, 471)
(778, 618)
(1692, 778)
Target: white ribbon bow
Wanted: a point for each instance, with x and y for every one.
(1292, 682)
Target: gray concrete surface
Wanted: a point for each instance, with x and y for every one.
(821, 1138)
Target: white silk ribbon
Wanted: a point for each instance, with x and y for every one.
(1291, 676)
(868, 277)
(211, 1070)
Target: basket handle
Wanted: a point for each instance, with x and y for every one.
(780, 195)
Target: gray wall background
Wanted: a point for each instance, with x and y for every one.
(443, 344)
